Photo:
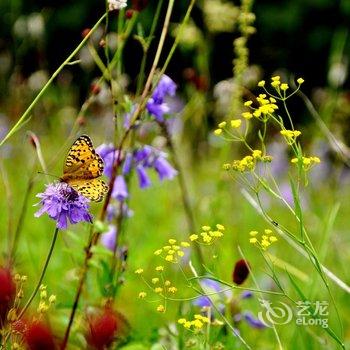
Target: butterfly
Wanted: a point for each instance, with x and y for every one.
(82, 168)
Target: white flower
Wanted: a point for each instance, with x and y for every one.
(116, 4)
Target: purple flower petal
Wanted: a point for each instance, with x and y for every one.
(252, 321)
(144, 180)
(120, 190)
(109, 238)
(164, 169)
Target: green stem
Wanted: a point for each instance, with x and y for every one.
(22, 119)
(42, 274)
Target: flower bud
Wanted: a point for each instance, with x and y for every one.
(240, 272)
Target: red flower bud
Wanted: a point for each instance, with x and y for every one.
(7, 292)
(38, 336)
(240, 272)
(129, 13)
(102, 329)
(95, 89)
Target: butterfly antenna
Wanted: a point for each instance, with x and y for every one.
(47, 174)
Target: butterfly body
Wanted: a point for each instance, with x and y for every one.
(82, 169)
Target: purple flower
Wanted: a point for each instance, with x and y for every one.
(210, 286)
(62, 203)
(144, 180)
(157, 105)
(127, 164)
(120, 190)
(252, 321)
(164, 169)
(109, 238)
(109, 155)
(246, 294)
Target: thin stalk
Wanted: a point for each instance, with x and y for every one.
(53, 76)
(54, 238)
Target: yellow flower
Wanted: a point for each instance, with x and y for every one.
(155, 280)
(158, 252)
(207, 239)
(172, 241)
(247, 115)
(248, 103)
(300, 81)
(206, 228)
(160, 268)
(52, 299)
(161, 308)
(172, 290)
(169, 258)
(284, 87)
(253, 240)
(226, 166)
(187, 324)
(268, 231)
(257, 153)
(181, 320)
(273, 239)
(142, 295)
(198, 324)
(167, 247)
(275, 83)
(180, 253)
(217, 132)
(236, 123)
(185, 244)
(276, 78)
(220, 227)
(222, 125)
(167, 283)
(193, 237)
(158, 290)
(139, 271)
(261, 83)
(253, 233)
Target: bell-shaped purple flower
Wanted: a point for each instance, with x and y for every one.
(165, 87)
(253, 321)
(63, 204)
(164, 169)
(109, 238)
(109, 155)
(144, 180)
(157, 105)
(127, 164)
(120, 189)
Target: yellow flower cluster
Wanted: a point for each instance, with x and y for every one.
(267, 106)
(172, 252)
(196, 324)
(208, 235)
(290, 135)
(45, 301)
(278, 85)
(235, 124)
(306, 162)
(248, 163)
(265, 240)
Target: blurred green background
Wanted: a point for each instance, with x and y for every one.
(305, 38)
